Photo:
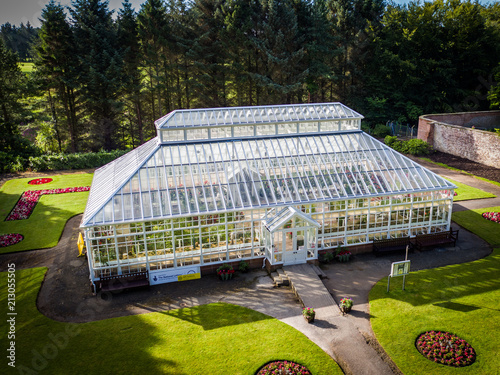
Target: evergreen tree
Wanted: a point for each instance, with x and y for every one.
(100, 69)
(56, 63)
(10, 87)
(152, 34)
(209, 55)
(281, 52)
(131, 91)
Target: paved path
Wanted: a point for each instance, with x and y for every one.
(344, 341)
(342, 337)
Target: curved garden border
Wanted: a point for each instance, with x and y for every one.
(278, 367)
(26, 204)
(493, 216)
(445, 348)
(40, 181)
(10, 239)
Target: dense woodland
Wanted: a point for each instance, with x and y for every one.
(100, 80)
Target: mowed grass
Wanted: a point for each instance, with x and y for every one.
(459, 170)
(45, 225)
(466, 192)
(463, 299)
(473, 221)
(209, 339)
(26, 67)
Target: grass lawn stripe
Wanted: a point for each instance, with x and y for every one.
(466, 192)
(45, 225)
(462, 299)
(209, 339)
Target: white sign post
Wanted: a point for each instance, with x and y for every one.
(399, 269)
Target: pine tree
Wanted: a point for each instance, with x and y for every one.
(131, 91)
(152, 35)
(281, 52)
(56, 63)
(100, 69)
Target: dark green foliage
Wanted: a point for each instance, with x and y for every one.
(56, 162)
(19, 39)
(381, 131)
(412, 146)
(11, 81)
(100, 72)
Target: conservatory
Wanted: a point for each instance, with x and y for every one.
(267, 184)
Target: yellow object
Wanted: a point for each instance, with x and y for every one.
(189, 276)
(81, 245)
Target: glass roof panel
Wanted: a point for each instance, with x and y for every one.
(262, 114)
(191, 178)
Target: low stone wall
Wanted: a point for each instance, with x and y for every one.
(456, 134)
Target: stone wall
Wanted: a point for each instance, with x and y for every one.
(457, 134)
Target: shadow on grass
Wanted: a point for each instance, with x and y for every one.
(457, 306)
(116, 346)
(217, 315)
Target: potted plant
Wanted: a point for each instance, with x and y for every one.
(326, 258)
(243, 267)
(342, 255)
(309, 314)
(346, 305)
(225, 272)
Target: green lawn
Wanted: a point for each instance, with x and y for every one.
(45, 225)
(26, 67)
(463, 299)
(458, 170)
(466, 192)
(210, 339)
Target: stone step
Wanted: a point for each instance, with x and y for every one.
(283, 276)
(319, 272)
(277, 279)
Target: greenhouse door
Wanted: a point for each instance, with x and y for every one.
(294, 251)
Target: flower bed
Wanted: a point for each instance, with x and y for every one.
(26, 204)
(283, 367)
(40, 181)
(493, 216)
(10, 239)
(445, 348)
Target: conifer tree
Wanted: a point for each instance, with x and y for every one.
(100, 69)
(56, 64)
(129, 43)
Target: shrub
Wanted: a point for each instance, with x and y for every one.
(413, 146)
(381, 131)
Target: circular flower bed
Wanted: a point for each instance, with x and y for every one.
(10, 239)
(40, 181)
(493, 216)
(445, 348)
(283, 368)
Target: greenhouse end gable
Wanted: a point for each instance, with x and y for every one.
(265, 183)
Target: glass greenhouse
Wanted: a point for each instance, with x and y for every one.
(273, 184)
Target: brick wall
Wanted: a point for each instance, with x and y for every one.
(453, 134)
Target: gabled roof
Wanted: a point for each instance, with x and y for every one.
(110, 178)
(172, 180)
(284, 215)
(270, 114)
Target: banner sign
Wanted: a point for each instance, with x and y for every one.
(174, 274)
(400, 268)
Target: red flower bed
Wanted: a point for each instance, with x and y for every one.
(283, 367)
(493, 216)
(40, 181)
(445, 348)
(10, 239)
(26, 204)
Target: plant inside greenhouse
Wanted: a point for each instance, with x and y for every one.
(274, 184)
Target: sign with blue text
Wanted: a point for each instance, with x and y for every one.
(174, 274)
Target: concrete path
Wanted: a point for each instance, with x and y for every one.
(344, 341)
